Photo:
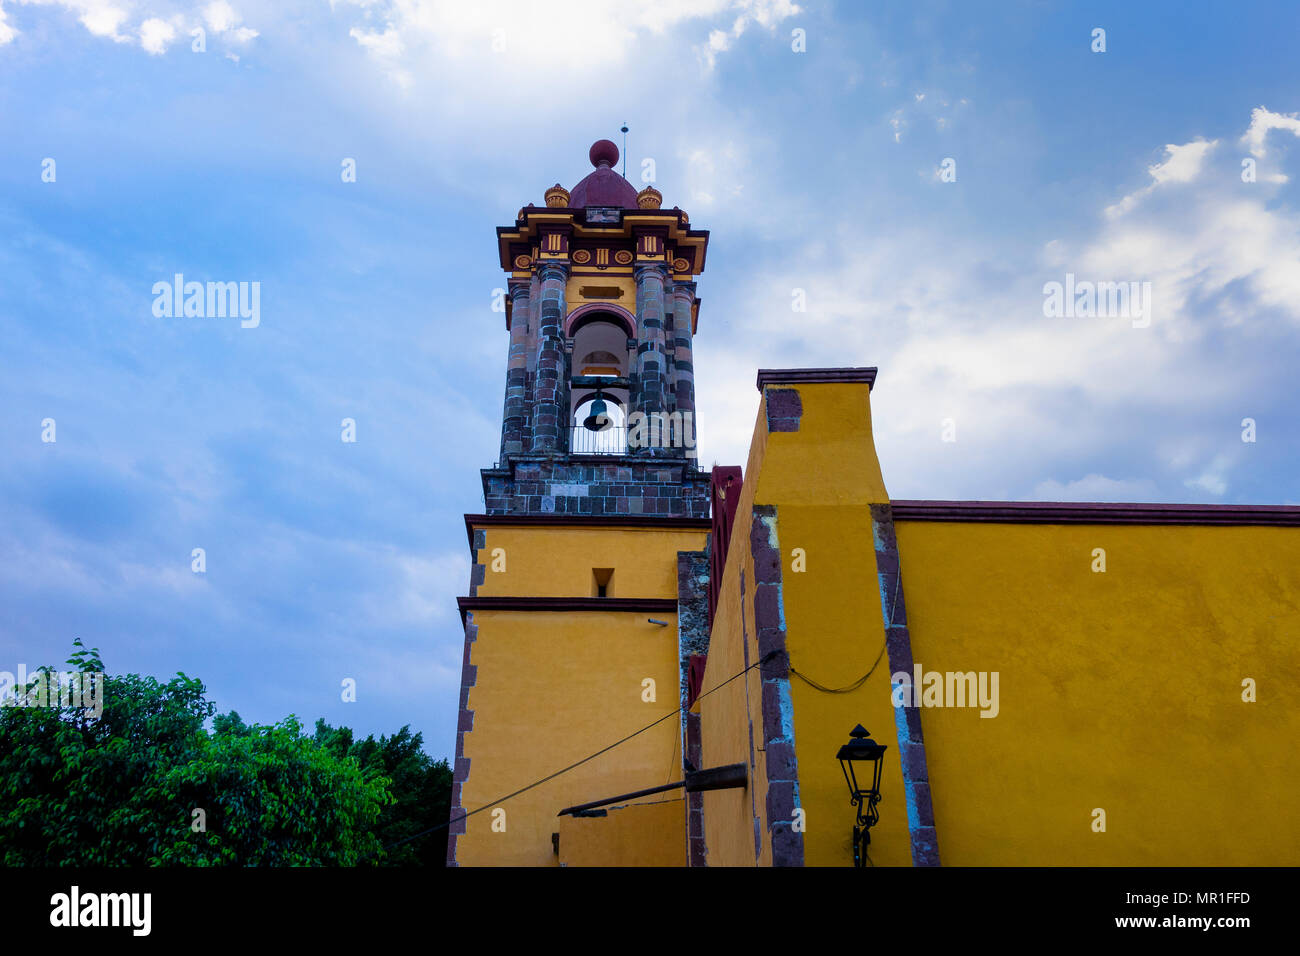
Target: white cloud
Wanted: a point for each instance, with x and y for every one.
(7, 33)
(1182, 165)
(101, 18)
(589, 36)
(106, 18)
(220, 16)
(155, 34)
(1184, 162)
(223, 19)
(959, 332)
(387, 45)
(765, 13)
(1261, 121)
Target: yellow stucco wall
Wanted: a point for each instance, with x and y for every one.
(831, 460)
(1119, 690)
(729, 709)
(726, 712)
(822, 478)
(835, 634)
(554, 687)
(557, 562)
(641, 834)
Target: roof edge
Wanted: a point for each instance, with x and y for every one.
(1090, 512)
(808, 376)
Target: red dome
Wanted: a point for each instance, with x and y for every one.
(603, 186)
(603, 152)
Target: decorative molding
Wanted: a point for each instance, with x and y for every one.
(557, 197)
(1070, 512)
(669, 522)
(649, 198)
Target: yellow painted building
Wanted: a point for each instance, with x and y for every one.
(592, 545)
(662, 665)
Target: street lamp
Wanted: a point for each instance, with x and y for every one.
(860, 750)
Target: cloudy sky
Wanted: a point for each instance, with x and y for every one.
(916, 173)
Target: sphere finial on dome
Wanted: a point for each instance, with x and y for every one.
(603, 153)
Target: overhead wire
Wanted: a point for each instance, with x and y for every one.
(537, 783)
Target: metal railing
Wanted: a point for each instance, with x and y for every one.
(612, 440)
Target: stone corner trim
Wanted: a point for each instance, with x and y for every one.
(784, 410)
(812, 376)
(907, 720)
(776, 705)
(464, 724)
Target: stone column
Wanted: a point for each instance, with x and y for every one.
(550, 412)
(683, 297)
(516, 408)
(651, 386)
(530, 347)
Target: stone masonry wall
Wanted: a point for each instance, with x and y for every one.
(621, 486)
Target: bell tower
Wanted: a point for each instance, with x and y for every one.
(590, 562)
(601, 313)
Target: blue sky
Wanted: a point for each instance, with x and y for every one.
(817, 171)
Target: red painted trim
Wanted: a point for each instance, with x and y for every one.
(724, 491)
(586, 521)
(695, 678)
(651, 605)
(629, 320)
(811, 376)
(1065, 512)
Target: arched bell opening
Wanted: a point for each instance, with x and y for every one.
(600, 385)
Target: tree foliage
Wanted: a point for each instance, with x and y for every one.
(123, 789)
(421, 790)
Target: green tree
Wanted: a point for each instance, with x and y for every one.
(421, 789)
(123, 789)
